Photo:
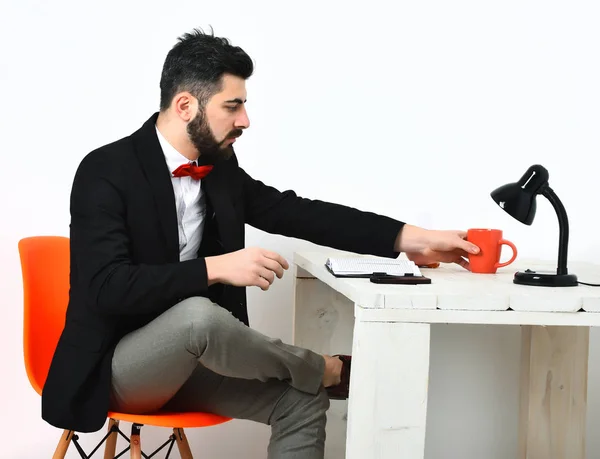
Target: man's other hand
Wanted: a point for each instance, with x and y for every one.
(247, 267)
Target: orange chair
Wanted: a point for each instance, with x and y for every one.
(45, 268)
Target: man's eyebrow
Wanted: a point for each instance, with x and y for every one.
(235, 101)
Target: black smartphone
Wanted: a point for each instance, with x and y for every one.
(387, 279)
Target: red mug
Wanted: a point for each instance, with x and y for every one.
(490, 244)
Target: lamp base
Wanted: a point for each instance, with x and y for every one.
(545, 279)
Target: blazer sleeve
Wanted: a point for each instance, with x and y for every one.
(323, 223)
(100, 248)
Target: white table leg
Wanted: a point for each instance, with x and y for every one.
(323, 322)
(388, 390)
(553, 401)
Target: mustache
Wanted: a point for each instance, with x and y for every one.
(234, 134)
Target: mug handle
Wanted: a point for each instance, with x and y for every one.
(514, 255)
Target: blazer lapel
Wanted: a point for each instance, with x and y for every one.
(153, 163)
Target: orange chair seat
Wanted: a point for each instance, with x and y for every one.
(167, 419)
(45, 262)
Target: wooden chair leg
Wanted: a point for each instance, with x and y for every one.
(136, 443)
(110, 449)
(63, 445)
(182, 444)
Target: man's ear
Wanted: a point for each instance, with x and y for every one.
(185, 106)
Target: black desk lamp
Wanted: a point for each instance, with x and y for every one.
(518, 199)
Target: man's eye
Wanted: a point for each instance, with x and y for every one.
(231, 109)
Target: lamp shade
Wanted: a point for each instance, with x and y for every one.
(518, 199)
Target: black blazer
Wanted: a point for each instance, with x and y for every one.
(125, 267)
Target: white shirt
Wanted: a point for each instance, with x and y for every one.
(189, 201)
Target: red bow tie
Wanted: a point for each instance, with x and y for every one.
(191, 170)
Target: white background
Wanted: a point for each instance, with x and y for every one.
(416, 110)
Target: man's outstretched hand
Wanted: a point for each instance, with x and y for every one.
(248, 267)
(426, 247)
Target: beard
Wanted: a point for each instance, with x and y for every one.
(209, 148)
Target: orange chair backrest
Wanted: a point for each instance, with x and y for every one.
(45, 267)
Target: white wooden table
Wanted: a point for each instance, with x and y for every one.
(386, 328)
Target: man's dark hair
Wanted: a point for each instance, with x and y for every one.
(197, 64)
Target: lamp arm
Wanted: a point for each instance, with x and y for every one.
(563, 225)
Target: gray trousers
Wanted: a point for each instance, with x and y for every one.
(198, 357)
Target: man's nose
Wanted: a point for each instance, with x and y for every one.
(242, 121)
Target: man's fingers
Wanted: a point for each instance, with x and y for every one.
(262, 283)
(278, 258)
(274, 266)
(463, 244)
(461, 253)
(467, 246)
(267, 274)
(464, 263)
